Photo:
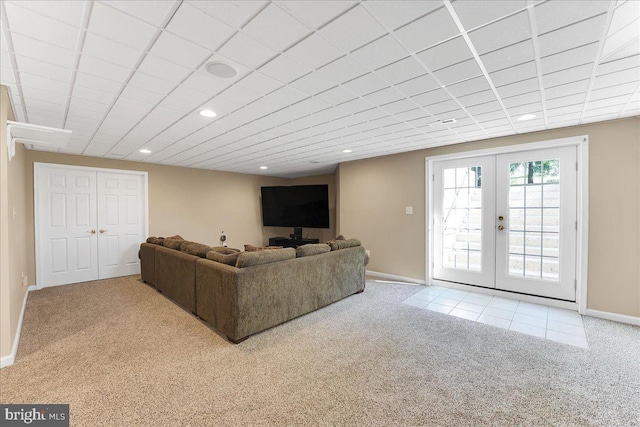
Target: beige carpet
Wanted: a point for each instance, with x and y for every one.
(122, 355)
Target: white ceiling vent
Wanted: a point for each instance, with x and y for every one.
(26, 133)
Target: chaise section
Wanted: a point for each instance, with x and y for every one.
(240, 302)
(175, 274)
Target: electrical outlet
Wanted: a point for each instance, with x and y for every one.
(408, 210)
(25, 280)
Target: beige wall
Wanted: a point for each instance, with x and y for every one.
(373, 194)
(13, 234)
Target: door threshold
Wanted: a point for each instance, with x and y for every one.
(569, 305)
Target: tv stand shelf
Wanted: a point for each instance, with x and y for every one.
(290, 243)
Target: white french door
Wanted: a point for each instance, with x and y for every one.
(89, 223)
(508, 222)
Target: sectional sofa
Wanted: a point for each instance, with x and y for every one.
(242, 293)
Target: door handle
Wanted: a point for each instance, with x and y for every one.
(501, 227)
(92, 231)
(102, 230)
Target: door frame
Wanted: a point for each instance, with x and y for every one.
(581, 142)
(37, 168)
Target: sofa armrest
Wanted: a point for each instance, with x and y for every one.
(147, 263)
(216, 286)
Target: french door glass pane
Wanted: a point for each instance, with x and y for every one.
(462, 218)
(534, 219)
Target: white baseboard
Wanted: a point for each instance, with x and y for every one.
(397, 278)
(622, 318)
(8, 360)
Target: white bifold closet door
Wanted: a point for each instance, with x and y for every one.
(89, 224)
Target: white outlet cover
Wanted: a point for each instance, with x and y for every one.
(408, 210)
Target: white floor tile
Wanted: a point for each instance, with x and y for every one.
(424, 296)
(567, 339)
(439, 308)
(431, 291)
(496, 312)
(476, 308)
(465, 314)
(494, 321)
(566, 328)
(455, 294)
(446, 301)
(539, 311)
(479, 299)
(415, 302)
(530, 320)
(565, 316)
(528, 329)
(503, 304)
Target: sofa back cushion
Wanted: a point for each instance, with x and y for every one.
(225, 250)
(249, 259)
(312, 249)
(229, 259)
(196, 249)
(343, 244)
(251, 248)
(172, 243)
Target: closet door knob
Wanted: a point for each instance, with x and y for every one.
(102, 230)
(92, 231)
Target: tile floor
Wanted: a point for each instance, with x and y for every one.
(556, 324)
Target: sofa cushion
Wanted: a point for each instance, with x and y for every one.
(340, 237)
(225, 250)
(196, 249)
(343, 244)
(176, 237)
(249, 259)
(151, 239)
(251, 248)
(229, 259)
(172, 243)
(312, 249)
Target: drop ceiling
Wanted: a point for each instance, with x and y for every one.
(313, 78)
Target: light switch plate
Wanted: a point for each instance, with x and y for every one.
(408, 210)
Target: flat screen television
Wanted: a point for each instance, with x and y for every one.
(296, 206)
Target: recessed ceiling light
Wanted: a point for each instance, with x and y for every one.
(207, 113)
(264, 167)
(347, 151)
(145, 151)
(220, 69)
(527, 117)
(447, 121)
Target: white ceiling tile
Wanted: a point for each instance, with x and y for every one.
(618, 65)
(380, 52)
(445, 54)
(355, 106)
(37, 26)
(145, 81)
(313, 52)
(44, 95)
(335, 96)
(130, 106)
(516, 112)
(97, 83)
(483, 108)
(234, 13)
(508, 56)
(281, 98)
(631, 49)
(258, 82)
(624, 15)
(431, 97)
(579, 34)
(151, 12)
(574, 57)
(195, 97)
(384, 96)
(312, 84)
(353, 29)
(179, 51)
(200, 28)
(492, 36)
(118, 26)
(514, 74)
(399, 106)
(619, 77)
(341, 70)
(206, 83)
(417, 85)
(396, 13)
(246, 51)
(461, 71)
(98, 67)
(447, 108)
(69, 12)
(366, 84)
(622, 38)
(613, 91)
(401, 71)
(565, 111)
(7, 76)
(568, 75)
(467, 87)
(275, 28)
(518, 88)
(315, 14)
(163, 69)
(523, 99)
(429, 30)
(475, 13)
(477, 98)
(32, 48)
(238, 94)
(110, 51)
(142, 95)
(43, 83)
(556, 14)
(284, 69)
(602, 107)
(578, 98)
(413, 114)
(566, 89)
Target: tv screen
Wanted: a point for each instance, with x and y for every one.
(296, 206)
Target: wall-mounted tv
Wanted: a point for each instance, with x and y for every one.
(296, 206)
